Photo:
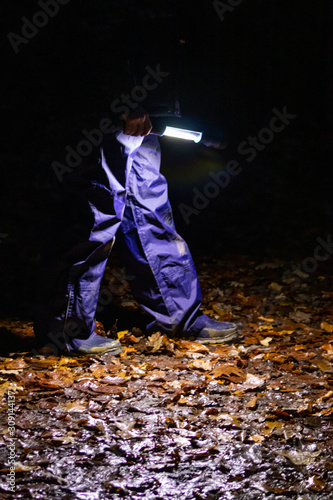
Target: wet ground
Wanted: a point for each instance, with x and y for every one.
(174, 419)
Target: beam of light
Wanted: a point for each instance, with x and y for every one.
(180, 133)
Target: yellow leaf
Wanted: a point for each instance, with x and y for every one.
(122, 334)
(127, 350)
(285, 332)
(257, 438)
(185, 401)
(324, 413)
(266, 341)
(269, 320)
(270, 426)
(326, 396)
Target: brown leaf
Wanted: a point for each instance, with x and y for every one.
(201, 364)
(187, 345)
(227, 370)
(327, 327)
(15, 364)
(60, 378)
(88, 385)
(322, 364)
(315, 483)
(329, 349)
(252, 404)
(155, 341)
(269, 427)
(76, 406)
(158, 341)
(300, 317)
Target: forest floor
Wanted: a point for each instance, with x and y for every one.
(173, 418)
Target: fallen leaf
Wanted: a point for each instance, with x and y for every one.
(326, 396)
(15, 364)
(76, 406)
(324, 413)
(252, 404)
(253, 381)
(122, 334)
(269, 320)
(266, 341)
(269, 427)
(275, 286)
(226, 371)
(329, 349)
(327, 327)
(187, 345)
(299, 457)
(67, 439)
(300, 317)
(322, 364)
(315, 483)
(257, 438)
(201, 364)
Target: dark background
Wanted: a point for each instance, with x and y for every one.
(264, 55)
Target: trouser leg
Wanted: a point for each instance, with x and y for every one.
(74, 262)
(162, 272)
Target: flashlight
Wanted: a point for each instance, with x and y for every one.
(216, 140)
(182, 133)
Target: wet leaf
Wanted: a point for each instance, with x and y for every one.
(201, 364)
(252, 404)
(299, 457)
(315, 484)
(69, 438)
(77, 406)
(269, 427)
(257, 438)
(226, 371)
(253, 381)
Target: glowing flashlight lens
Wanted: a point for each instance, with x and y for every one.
(180, 133)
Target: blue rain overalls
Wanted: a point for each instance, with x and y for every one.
(122, 190)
